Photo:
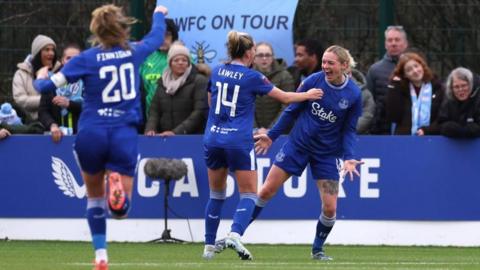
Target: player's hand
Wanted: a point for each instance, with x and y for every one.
(262, 143)
(167, 133)
(350, 167)
(161, 9)
(420, 132)
(56, 133)
(315, 93)
(42, 73)
(150, 133)
(4, 133)
(261, 131)
(61, 101)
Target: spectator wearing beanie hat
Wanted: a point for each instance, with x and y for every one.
(42, 55)
(179, 104)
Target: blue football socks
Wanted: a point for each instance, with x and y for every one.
(213, 212)
(243, 213)
(97, 221)
(324, 226)
(259, 205)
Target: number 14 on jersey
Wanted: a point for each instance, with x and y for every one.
(222, 98)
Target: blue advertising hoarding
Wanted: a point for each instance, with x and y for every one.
(403, 178)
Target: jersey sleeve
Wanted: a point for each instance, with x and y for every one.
(262, 85)
(70, 73)
(286, 119)
(288, 116)
(308, 83)
(73, 70)
(154, 39)
(349, 129)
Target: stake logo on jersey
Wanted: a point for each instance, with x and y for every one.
(319, 111)
(326, 126)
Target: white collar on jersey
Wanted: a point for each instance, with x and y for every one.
(347, 78)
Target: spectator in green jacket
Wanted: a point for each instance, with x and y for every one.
(153, 67)
(268, 109)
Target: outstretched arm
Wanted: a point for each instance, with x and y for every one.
(291, 97)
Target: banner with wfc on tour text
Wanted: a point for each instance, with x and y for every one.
(203, 25)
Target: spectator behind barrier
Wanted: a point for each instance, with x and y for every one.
(460, 113)
(368, 104)
(11, 122)
(8, 115)
(153, 67)
(379, 74)
(267, 109)
(308, 59)
(59, 111)
(179, 105)
(414, 98)
(42, 54)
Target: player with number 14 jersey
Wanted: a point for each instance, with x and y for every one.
(230, 121)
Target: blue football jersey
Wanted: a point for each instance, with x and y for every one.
(326, 126)
(233, 90)
(111, 79)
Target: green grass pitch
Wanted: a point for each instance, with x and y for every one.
(33, 255)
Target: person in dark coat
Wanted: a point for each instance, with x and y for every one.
(179, 104)
(460, 114)
(414, 98)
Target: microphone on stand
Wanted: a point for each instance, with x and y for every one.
(167, 170)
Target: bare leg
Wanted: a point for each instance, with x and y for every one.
(275, 179)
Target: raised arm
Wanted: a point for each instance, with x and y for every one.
(154, 39)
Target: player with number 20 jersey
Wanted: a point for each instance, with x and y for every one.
(106, 143)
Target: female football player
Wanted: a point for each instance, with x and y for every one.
(323, 135)
(106, 144)
(228, 139)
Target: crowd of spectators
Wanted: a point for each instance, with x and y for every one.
(401, 95)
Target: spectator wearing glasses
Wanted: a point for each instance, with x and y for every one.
(379, 74)
(268, 109)
(460, 114)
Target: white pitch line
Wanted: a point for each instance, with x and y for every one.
(248, 263)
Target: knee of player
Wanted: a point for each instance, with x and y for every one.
(329, 210)
(266, 193)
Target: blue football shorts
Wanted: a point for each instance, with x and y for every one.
(107, 148)
(234, 159)
(294, 160)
